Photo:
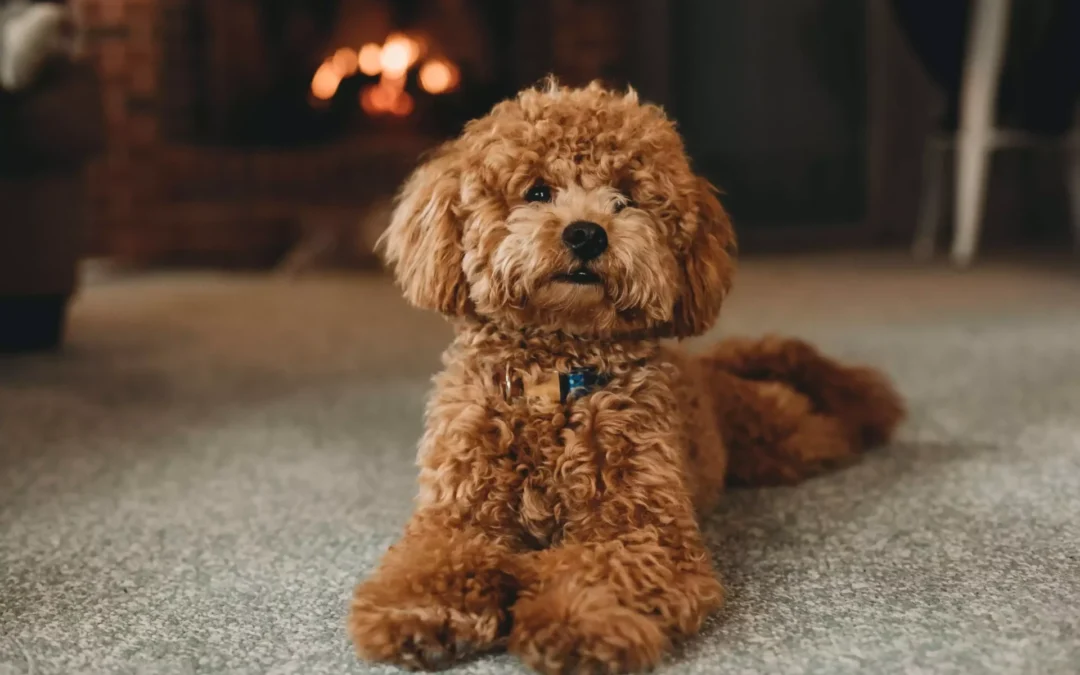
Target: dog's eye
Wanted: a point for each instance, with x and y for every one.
(538, 193)
(623, 203)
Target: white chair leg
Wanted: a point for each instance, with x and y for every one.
(933, 175)
(972, 170)
(975, 140)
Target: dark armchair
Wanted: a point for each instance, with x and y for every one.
(48, 133)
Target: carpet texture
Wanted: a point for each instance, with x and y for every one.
(196, 484)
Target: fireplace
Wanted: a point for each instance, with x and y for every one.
(281, 73)
(239, 129)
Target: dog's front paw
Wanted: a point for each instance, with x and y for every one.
(584, 632)
(414, 637)
(434, 599)
(421, 633)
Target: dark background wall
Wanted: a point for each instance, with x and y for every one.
(773, 105)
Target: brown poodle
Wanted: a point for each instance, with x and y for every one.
(568, 450)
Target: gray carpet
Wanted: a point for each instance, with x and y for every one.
(197, 483)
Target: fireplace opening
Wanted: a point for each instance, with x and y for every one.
(279, 73)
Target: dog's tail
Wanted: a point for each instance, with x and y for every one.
(786, 411)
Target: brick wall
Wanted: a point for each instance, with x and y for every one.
(121, 41)
(589, 40)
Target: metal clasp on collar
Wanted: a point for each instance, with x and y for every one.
(556, 387)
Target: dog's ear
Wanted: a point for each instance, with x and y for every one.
(708, 264)
(423, 241)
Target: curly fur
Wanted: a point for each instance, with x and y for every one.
(568, 533)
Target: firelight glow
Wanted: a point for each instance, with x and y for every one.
(370, 59)
(415, 46)
(398, 54)
(402, 105)
(345, 62)
(438, 76)
(388, 96)
(325, 83)
(391, 62)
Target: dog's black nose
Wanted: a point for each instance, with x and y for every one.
(585, 240)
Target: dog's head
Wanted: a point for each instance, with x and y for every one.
(565, 209)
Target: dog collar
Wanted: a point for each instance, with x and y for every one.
(554, 386)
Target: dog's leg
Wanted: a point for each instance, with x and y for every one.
(632, 572)
(787, 412)
(441, 593)
(612, 606)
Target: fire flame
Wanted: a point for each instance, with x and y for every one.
(345, 62)
(399, 54)
(370, 59)
(390, 61)
(326, 82)
(388, 96)
(438, 76)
